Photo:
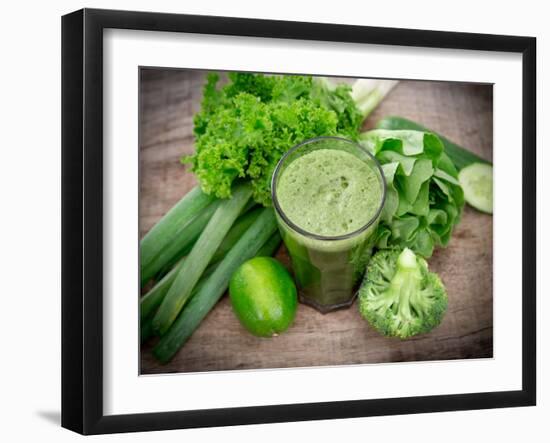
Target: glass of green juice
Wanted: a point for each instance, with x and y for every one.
(328, 194)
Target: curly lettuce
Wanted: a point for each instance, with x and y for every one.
(424, 200)
(246, 126)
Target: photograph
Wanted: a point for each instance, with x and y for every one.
(301, 220)
(255, 222)
(273, 221)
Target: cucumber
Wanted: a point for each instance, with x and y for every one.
(477, 183)
(460, 156)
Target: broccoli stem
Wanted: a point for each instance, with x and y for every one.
(406, 281)
(407, 259)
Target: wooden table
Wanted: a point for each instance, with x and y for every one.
(462, 112)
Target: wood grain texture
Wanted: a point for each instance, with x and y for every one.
(462, 112)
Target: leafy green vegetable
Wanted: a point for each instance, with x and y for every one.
(399, 296)
(460, 156)
(245, 127)
(424, 200)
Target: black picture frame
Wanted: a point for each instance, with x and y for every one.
(82, 219)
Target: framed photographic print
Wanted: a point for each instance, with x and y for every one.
(269, 221)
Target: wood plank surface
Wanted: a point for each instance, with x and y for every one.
(462, 112)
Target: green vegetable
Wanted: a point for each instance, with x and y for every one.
(477, 182)
(205, 299)
(146, 329)
(172, 224)
(263, 296)
(237, 230)
(270, 246)
(368, 93)
(424, 200)
(461, 157)
(399, 296)
(181, 244)
(199, 257)
(152, 300)
(245, 127)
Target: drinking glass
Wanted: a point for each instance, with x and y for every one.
(327, 268)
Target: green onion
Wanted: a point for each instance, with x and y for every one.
(367, 93)
(236, 232)
(270, 246)
(173, 222)
(267, 250)
(152, 300)
(199, 257)
(147, 320)
(181, 244)
(215, 286)
(146, 329)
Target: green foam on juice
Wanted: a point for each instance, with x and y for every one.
(329, 192)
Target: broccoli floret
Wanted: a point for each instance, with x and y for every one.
(399, 296)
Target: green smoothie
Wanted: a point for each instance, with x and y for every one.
(328, 193)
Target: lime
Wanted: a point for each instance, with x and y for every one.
(263, 296)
